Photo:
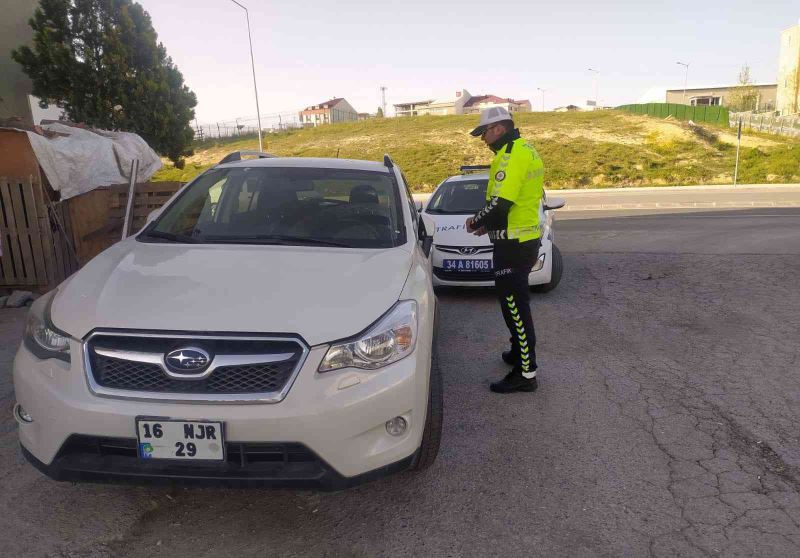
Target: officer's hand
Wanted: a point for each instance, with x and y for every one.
(480, 232)
(468, 224)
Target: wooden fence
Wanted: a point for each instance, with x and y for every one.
(43, 242)
(35, 236)
(98, 215)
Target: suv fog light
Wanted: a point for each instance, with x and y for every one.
(23, 416)
(397, 426)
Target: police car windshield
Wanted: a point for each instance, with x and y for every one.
(459, 197)
(289, 205)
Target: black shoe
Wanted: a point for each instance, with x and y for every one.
(510, 357)
(514, 381)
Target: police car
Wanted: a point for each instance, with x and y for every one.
(461, 259)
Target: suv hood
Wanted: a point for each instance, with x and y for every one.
(321, 294)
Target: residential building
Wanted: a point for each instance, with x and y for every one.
(719, 95)
(461, 103)
(454, 105)
(14, 84)
(329, 112)
(480, 102)
(413, 108)
(788, 101)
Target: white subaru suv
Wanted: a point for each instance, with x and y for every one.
(273, 323)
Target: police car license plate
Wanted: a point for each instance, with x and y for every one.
(180, 439)
(467, 265)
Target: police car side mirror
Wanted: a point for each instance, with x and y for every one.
(554, 203)
(418, 204)
(427, 228)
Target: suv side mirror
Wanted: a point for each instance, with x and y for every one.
(427, 228)
(554, 203)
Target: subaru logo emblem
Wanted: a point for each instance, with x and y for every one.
(468, 250)
(188, 359)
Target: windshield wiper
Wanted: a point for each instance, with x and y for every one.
(169, 236)
(275, 239)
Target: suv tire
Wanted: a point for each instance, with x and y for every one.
(432, 433)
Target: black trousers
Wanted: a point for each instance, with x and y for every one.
(513, 261)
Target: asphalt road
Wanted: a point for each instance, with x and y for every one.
(666, 424)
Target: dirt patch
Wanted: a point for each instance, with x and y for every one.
(748, 141)
(666, 131)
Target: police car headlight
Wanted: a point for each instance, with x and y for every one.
(539, 263)
(393, 337)
(41, 336)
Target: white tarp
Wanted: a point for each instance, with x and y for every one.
(86, 159)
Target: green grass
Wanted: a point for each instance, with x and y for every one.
(580, 150)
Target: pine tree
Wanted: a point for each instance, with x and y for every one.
(100, 61)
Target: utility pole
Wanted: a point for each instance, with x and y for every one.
(383, 100)
(685, 79)
(253, 66)
(543, 92)
(596, 73)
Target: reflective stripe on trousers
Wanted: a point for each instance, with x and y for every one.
(521, 339)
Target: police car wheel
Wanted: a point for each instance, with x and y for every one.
(555, 275)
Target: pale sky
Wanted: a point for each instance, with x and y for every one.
(309, 51)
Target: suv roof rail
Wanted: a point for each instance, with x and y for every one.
(473, 168)
(237, 156)
(388, 161)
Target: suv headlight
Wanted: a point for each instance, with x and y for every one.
(392, 338)
(42, 338)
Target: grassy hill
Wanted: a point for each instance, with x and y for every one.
(580, 150)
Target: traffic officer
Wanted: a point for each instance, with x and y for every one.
(512, 221)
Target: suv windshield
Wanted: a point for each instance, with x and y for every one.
(459, 197)
(285, 205)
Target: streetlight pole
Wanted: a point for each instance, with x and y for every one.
(596, 73)
(543, 92)
(685, 79)
(253, 65)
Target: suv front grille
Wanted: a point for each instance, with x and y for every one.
(133, 363)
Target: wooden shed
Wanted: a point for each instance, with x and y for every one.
(44, 239)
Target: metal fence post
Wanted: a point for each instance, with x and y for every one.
(131, 194)
(738, 147)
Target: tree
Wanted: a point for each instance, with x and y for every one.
(743, 97)
(379, 112)
(100, 61)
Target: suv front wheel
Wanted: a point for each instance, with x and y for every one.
(432, 434)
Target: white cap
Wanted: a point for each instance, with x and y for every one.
(490, 116)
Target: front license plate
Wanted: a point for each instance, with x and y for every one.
(467, 265)
(180, 439)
